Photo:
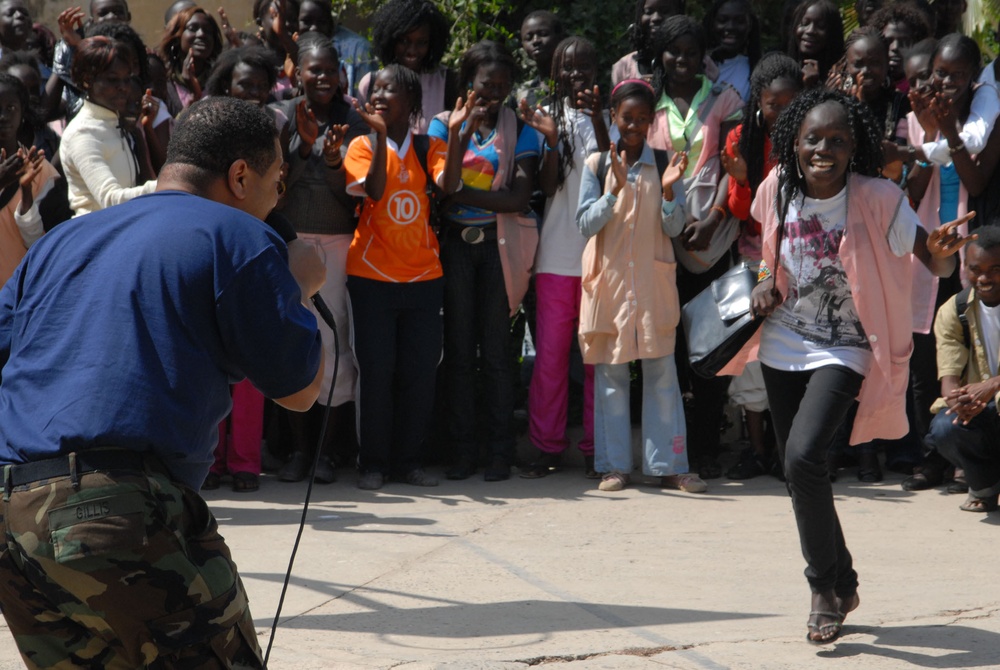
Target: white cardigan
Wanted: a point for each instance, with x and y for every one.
(101, 169)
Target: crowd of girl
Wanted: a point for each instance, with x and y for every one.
(442, 201)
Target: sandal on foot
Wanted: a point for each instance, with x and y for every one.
(827, 632)
(245, 482)
(979, 505)
(958, 484)
(212, 482)
(613, 481)
(689, 483)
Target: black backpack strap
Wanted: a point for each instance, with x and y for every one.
(662, 161)
(602, 169)
(961, 305)
(422, 145)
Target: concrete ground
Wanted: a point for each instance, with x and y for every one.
(553, 572)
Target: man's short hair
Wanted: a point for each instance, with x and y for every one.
(988, 236)
(214, 133)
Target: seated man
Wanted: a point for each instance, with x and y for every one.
(967, 329)
(120, 334)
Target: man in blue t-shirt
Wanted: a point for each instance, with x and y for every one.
(120, 334)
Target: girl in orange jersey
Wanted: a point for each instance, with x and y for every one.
(394, 277)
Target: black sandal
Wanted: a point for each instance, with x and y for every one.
(245, 482)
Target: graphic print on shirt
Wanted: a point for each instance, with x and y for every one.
(820, 307)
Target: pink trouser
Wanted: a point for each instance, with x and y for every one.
(240, 433)
(557, 322)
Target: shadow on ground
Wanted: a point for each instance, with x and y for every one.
(966, 647)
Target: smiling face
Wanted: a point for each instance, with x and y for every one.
(824, 148)
(952, 75)
(411, 49)
(654, 13)
(775, 97)
(982, 269)
(682, 60)
(390, 100)
(249, 83)
(198, 37)
(539, 39)
(632, 117)
(577, 73)
(319, 73)
(867, 58)
(15, 24)
(492, 84)
(732, 27)
(900, 37)
(811, 33)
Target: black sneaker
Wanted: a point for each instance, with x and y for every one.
(748, 467)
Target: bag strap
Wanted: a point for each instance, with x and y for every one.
(961, 305)
(602, 169)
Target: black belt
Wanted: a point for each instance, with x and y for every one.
(473, 234)
(85, 462)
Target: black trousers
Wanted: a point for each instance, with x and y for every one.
(397, 343)
(807, 407)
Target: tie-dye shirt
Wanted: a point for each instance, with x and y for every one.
(480, 164)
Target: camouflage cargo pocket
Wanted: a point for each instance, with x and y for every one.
(97, 526)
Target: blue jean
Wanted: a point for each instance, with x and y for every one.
(664, 434)
(477, 321)
(973, 447)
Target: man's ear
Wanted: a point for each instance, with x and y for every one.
(237, 179)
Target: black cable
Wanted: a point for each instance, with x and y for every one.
(327, 316)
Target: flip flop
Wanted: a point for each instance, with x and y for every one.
(979, 505)
(836, 626)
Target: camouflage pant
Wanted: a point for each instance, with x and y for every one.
(126, 571)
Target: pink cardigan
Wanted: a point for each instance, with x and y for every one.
(925, 284)
(880, 285)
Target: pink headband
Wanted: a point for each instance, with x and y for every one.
(631, 81)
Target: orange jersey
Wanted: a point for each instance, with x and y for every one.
(394, 241)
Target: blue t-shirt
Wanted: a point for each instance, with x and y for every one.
(480, 163)
(125, 328)
(950, 184)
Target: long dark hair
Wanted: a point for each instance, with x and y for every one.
(753, 134)
(582, 48)
(834, 48)
(753, 36)
(867, 160)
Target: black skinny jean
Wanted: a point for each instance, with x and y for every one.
(807, 407)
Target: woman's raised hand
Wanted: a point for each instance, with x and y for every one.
(735, 166)
(540, 120)
(462, 112)
(70, 20)
(374, 121)
(674, 172)
(306, 123)
(946, 240)
(618, 169)
(332, 141)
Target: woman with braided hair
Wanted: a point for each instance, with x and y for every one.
(835, 226)
(747, 159)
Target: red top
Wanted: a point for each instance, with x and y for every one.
(739, 196)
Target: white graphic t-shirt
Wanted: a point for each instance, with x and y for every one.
(818, 324)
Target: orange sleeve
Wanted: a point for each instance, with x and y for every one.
(437, 157)
(356, 164)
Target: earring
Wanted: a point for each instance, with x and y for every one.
(798, 169)
(759, 118)
(851, 166)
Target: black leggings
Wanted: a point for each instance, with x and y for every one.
(807, 407)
